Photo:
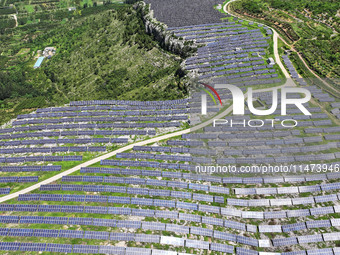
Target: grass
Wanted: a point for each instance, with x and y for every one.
(29, 8)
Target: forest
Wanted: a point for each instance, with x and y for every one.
(102, 53)
(311, 27)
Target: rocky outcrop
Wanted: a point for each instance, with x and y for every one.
(167, 40)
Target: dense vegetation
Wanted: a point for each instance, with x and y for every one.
(102, 53)
(312, 27)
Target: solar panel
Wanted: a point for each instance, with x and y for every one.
(111, 250)
(128, 224)
(32, 246)
(147, 238)
(247, 240)
(96, 235)
(177, 228)
(298, 213)
(134, 251)
(318, 224)
(122, 236)
(90, 249)
(46, 233)
(65, 248)
(310, 239)
(222, 248)
(285, 241)
(20, 232)
(197, 244)
(65, 233)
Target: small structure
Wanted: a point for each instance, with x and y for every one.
(49, 52)
(38, 63)
(270, 61)
(72, 9)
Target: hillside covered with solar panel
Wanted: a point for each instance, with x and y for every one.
(175, 176)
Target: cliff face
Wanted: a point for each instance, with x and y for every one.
(166, 39)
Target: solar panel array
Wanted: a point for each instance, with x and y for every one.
(232, 51)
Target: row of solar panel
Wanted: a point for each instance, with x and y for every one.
(220, 35)
(4, 191)
(225, 160)
(301, 226)
(145, 164)
(64, 141)
(322, 130)
(283, 159)
(207, 26)
(108, 107)
(80, 126)
(98, 119)
(290, 190)
(215, 59)
(240, 152)
(19, 179)
(236, 56)
(102, 235)
(139, 191)
(125, 236)
(204, 187)
(203, 30)
(240, 56)
(159, 214)
(127, 102)
(284, 201)
(78, 133)
(120, 199)
(226, 48)
(234, 63)
(216, 179)
(100, 249)
(254, 43)
(177, 204)
(217, 36)
(283, 149)
(214, 43)
(100, 113)
(154, 156)
(222, 45)
(134, 224)
(53, 149)
(40, 158)
(29, 168)
(151, 182)
(231, 38)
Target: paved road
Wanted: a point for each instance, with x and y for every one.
(152, 140)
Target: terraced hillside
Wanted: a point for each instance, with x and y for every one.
(127, 177)
(229, 48)
(57, 138)
(151, 200)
